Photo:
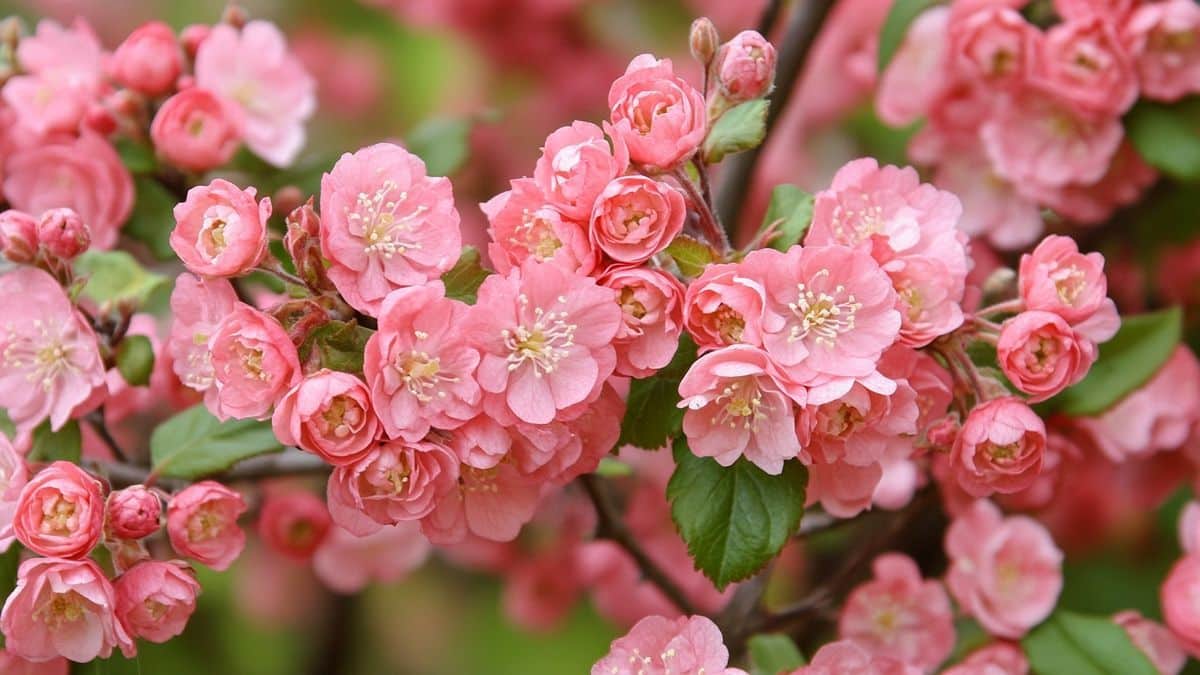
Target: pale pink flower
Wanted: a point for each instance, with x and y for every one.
(197, 308)
(63, 608)
(847, 657)
(545, 340)
(11, 664)
(916, 74)
(491, 503)
(347, 564)
(1178, 600)
(522, 226)
(1057, 278)
(651, 304)
(54, 47)
(635, 217)
(13, 475)
(745, 67)
(329, 414)
(60, 512)
(1083, 61)
(419, 365)
(1159, 645)
(1164, 39)
(576, 165)
(660, 117)
(997, 658)
(220, 229)
(148, 60)
(254, 364)
(197, 130)
(993, 42)
(133, 513)
(843, 489)
(49, 360)
(992, 207)
(385, 224)
(202, 524)
(293, 523)
(54, 103)
(395, 481)
(722, 307)
(155, 599)
(999, 448)
(1004, 572)
(1041, 355)
(18, 236)
(656, 644)
(253, 68)
(851, 422)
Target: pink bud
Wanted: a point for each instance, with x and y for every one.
(191, 37)
(100, 120)
(63, 234)
(941, 434)
(703, 40)
(197, 130)
(293, 524)
(18, 236)
(148, 60)
(134, 512)
(746, 68)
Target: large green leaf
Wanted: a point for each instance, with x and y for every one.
(895, 28)
(1083, 645)
(790, 211)
(135, 359)
(652, 413)
(152, 219)
(691, 255)
(338, 344)
(737, 518)
(741, 127)
(193, 443)
(1168, 136)
(114, 276)
(772, 654)
(464, 279)
(51, 446)
(441, 143)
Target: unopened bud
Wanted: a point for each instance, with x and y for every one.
(303, 244)
(100, 120)
(703, 40)
(191, 37)
(134, 512)
(746, 67)
(18, 236)
(234, 16)
(63, 234)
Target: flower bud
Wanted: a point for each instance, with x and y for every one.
(99, 119)
(148, 60)
(134, 512)
(703, 40)
(191, 37)
(746, 67)
(18, 236)
(63, 234)
(234, 16)
(303, 244)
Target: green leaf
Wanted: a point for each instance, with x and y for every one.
(115, 276)
(737, 518)
(137, 157)
(1083, 645)
(6, 425)
(51, 446)
(772, 654)
(611, 467)
(441, 143)
(1126, 362)
(741, 127)
(1168, 136)
(692, 255)
(464, 279)
(193, 443)
(339, 345)
(152, 219)
(135, 359)
(895, 28)
(652, 413)
(790, 211)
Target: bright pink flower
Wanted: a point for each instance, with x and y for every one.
(18, 236)
(1083, 61)
(63, 608)
(899, 615)
(197, 130)
(155, 599)
(253, 68)
(293, 523)
(60, 512)
(545, 340)
(745, 67)
(657, 644)
(202, 524)
(1164, 39)
(660, 117)
(83, 173)
(1057, 278)
(149, 60)
(134, 512)
(11, 664)
(490, 503)
(197, 308)
(49, 360)
(739, 403)
(635, 217)
(1041, 355)
(394, 482)
(385, 224)
(419, 365)
(220, 229)
(916, 74)
(998, 658)
(843, 489)
(651, 304)
(722, 307)
(994, 43)
(1004, 572)
(576, 165)
(254, 364)
(1159, 645)
(851, 422)
(63, 234)
(1178, 596)
(1000, 447)
(847, 657)
(329, 414)
(346, 563)
(521, 226)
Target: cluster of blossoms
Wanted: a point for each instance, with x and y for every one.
(1019, 117)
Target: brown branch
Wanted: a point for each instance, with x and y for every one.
(709, 223)
(290, 462)
(96, 419)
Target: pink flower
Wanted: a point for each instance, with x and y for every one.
(1178, 599)
(1004, 572)
(722, 307)
(998, 658)
(1126, 181)
(545, 340)
(740, 403)
(1159, 645)
(1164, 39)
(13, 475)
(576, 165)
(254, 364)
(18, 236)
(992, 207)
(999, 448)
(419, 365)
(197, 130)
(134, 512)
(385, 224)
(994, 43)
(63, 608)
(155, 599)
(253, 68)
(329, 414)
(197, 308)
(652, 318)
(899, 615)
(63, 234)
(60, 512)
(346, 563)
(847, 657)
(11, 664)
(658, 644)
(862, 425)
(521, 226)
(1113, 10)
(660, 117)
(293, 523)
(74, 49)
(491, 503)
(202, 524)
(1057, 278)
(843, 489)
(1189, 527)
(1083, 61)
(220, 230)
(54, 103)
(745, 67)
(84, 174)
(149, 60)
(394, 482)
(916, 74)
(1041, 355)
(635, 217)
(49, 361)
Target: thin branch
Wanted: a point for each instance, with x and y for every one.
(766, 23)
(290, 462)
(709, 223)
(96, 419)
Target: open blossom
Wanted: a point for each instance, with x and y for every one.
(660, 117)
(739, 403)
(635, 217)
(1057, 278)
(346, 563)
(897, 614)
(722, 307)
(491, 503)
(385, 224)
(155, 599)
(197, 130)
(60, 512)
(545, 340)
(993, 42)
(220, 229)
(522, 226)
(847, 657)
(54, 103)
(1159, 645)
(1084, 61)
(1004, 572)
(419, 366)
(1164, 38)
(253, 68)
(999, 448)
(148, 60)
(293, 523)
(1178, 599)
(576, 165)
(395, 481)
(998, 658)
(133, 513)
(202, 524)
(18, 236)
(1041, 355)
(49, 360)
(63, 608)
(197, 308)
(254, 364)
(329, 414)
(746, 67)
(652, 318)
(657, 644)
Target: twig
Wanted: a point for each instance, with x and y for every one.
(96, 419)
(770, 15)
(290, 462)
(711, 227)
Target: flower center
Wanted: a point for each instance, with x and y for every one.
(422, 373)
(376, 218)
(44, 355)
(821, 314)
(730, 324)
(542, 343)
(61, 608)
(1069, 282)
(630, 304)
(206, 523)
(343, 416)
(741, 405)
(251, 359)
(58, 516)
(856, 218)
(211, 240)
(536, 236)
